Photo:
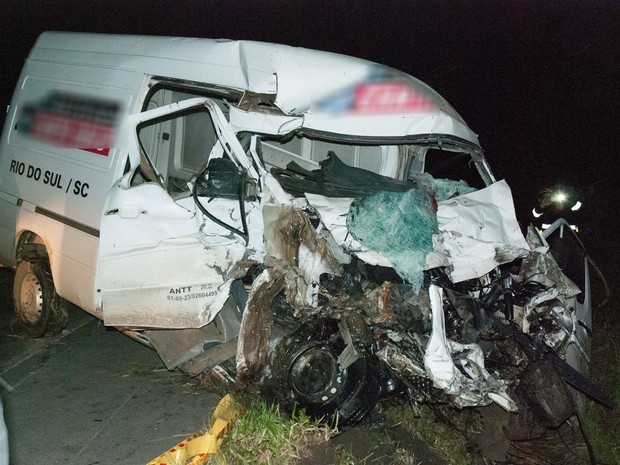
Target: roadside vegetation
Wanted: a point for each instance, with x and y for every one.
(263, 435)
(447, 437)
(603, 425)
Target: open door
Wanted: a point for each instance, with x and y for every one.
(163, 263)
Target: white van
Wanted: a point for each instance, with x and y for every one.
(191, 191)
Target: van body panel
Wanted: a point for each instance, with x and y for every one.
(8, 226)
(72, 254)
(47, 162)
(303, 82)
(144, 234)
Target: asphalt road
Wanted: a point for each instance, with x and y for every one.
(91, 395)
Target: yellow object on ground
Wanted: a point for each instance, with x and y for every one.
(198, 449)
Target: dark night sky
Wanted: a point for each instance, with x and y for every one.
(539, 81)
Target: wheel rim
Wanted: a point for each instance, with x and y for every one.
(31, 299)
(316, 377)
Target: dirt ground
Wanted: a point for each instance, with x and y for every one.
(365, 450)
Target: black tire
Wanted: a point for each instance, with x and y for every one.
(40, 310)
(303, 373)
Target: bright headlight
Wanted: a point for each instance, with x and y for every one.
(559, 197)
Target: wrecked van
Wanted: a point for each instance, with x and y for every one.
(325, 227)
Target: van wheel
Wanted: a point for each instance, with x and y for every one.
(40, 310)
(303, 373)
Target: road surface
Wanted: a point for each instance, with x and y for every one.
(91, 395)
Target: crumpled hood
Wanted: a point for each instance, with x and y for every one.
(477, 232)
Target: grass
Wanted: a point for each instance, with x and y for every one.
(448, 441)
(345, 457)
(603, 425)
(265, 436)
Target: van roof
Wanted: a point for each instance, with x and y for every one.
(335, 93)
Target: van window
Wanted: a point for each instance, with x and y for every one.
(397, 161)
(178, 146)
(164, 95)
(310, 152)
(457, 166)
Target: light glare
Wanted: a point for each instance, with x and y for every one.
(559, 197)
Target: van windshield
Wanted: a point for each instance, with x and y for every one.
(400, 162)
